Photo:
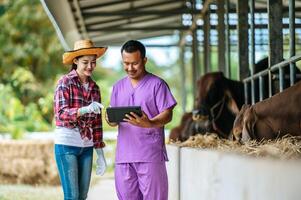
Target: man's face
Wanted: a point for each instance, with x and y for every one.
(133, 64)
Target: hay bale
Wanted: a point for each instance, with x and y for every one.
(28, 162)
(288, 147)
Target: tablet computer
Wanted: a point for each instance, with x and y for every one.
(117, 114)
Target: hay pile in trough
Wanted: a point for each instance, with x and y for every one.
(288, 147)
(27, 162)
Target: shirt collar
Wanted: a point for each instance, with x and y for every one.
(73, 75)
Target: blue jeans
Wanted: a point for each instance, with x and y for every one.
(74, 165)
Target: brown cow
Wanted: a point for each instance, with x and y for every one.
(189, 126)
(271, 118)
(219, 99)
(175, 133)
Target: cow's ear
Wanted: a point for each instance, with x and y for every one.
(231, 103)
(250, 119)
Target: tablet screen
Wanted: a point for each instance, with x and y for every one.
(117, 114)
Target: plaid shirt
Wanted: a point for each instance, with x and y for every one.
(70, 95)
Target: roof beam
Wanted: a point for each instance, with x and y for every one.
(110, 3)
(123, 1)
(141, 22)
(183, 28)
(141, 13)
(151, 28)
(124, 21)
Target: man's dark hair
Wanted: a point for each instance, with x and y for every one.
(133, 46)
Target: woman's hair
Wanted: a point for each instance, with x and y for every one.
(74, 66)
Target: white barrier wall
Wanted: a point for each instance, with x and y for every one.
(212, 175)
(173, 171)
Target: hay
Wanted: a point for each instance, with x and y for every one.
(27, 162)
(288, 147)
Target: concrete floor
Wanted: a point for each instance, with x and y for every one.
(104, 189)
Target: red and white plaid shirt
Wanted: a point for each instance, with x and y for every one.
(70, 95)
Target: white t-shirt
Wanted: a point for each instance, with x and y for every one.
(71, 137)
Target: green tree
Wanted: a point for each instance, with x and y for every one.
(30, 61)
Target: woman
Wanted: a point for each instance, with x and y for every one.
(77, 112)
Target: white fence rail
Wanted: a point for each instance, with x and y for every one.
(196, 174)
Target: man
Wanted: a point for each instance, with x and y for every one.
(140, 171)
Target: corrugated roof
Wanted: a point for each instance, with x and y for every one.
(111, 22)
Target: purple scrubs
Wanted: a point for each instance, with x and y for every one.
(136, 145)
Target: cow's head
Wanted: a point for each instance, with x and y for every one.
(213, 97)
(193, 126)
(244, 124)
(239, 122)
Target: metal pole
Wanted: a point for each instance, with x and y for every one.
(195, 60)
(252, 10)
(292, 45)
(246, 92)
(275, 39)
(195, 55)
(221, 35)
(183, 76)
(261, 88)
(227, 42)
(243, 51)
(207, 58)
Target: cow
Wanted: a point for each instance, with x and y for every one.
(176, 132)
(189, 126)
(271, 118)
(219, 99)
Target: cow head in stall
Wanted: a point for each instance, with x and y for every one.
(244, 124)
(189, 127)
(271, 118)
(177, 132)
(195, 125)
(219, 100)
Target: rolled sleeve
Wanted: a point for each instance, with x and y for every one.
(98, 133)
(63, 111)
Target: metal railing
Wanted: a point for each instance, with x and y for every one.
(281, 76)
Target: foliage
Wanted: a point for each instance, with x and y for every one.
(16, 118)
(27, 41)
(29, 50)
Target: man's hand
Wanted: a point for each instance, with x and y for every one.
(142, 121)
(101, 164)
(94, 107)
(107, 120)
(156, 122)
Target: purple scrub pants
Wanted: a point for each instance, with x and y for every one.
(141, 181)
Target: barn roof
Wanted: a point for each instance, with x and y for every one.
(111, 22)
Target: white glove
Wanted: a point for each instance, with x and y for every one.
(94, 107)
(101, 164)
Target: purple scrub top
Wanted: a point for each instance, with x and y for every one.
(136, 144)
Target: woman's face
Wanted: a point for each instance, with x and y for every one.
(85, 65)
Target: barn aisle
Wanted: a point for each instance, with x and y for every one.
(104, 189)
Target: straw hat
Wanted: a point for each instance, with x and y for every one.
(82, 48)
